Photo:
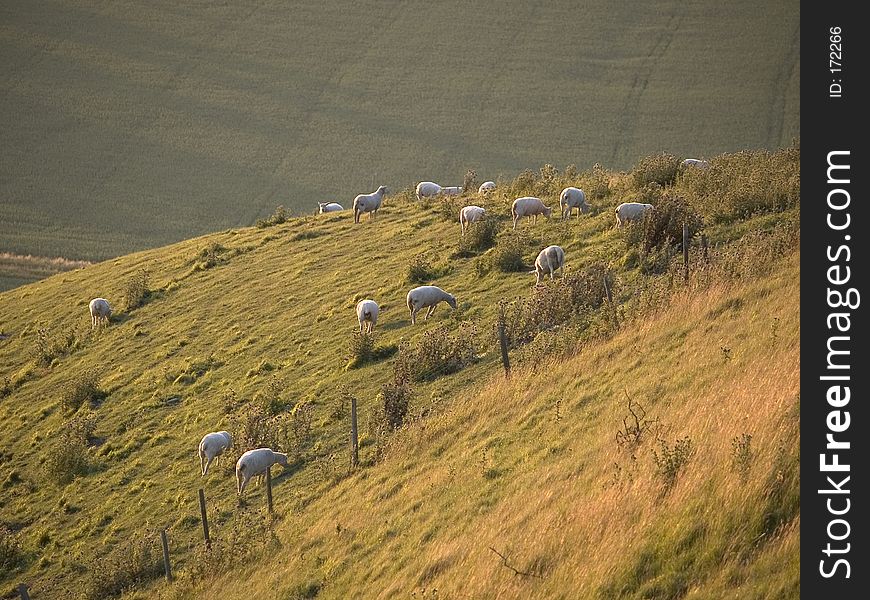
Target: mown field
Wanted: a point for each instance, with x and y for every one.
(127, 125)
(252, 330)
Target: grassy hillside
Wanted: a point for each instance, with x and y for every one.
(127, 125)
(250, 330)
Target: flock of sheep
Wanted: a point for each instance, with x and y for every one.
(255, 463)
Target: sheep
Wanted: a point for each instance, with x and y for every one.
(486, 187)
(631, 211)
(327, 207)
(469, 215)
(572, 198)
(255, 463)
(696, 162)
(212, 446)
(369, 203)
(529, 206)
(453, 190)
(100, 311)
(427, 295)
(367, 315)
(549, 259)
(426, 189)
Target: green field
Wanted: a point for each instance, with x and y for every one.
(127, 125)
(252, 327)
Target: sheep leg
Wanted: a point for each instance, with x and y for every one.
(240, 483)
(516, 218)
(430, 311)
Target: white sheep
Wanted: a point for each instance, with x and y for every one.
(212, 446)
(696, 162)
(452, 190)
(549, 259)
(255, 463)
(572, 198)
(367, 315)
(426, 189)
(631, 211)
(427, 296)
(369, 203)
(100, 311)
(486, 187)
(469, 215)
(529, 206)
(327, 207)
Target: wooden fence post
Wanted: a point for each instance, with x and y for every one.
(502, 338)
(166, 566)
(22, 591)
(204, 518)
(354, 438)
(685, 253)
(269, 488)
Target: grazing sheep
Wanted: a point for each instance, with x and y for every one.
(326, 207)
(100, 311)
(572, 198)
(631, 211)
(549, 259)
(369, 203)
(696, 162)
(427, 295)
(529, 206)
(486, 187)
(426, 189)
(255, 463)
(212, 446)
(367, 314)
(453, 190)
(469, 215)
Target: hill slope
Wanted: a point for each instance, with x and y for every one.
(249, 329)
(139, 124)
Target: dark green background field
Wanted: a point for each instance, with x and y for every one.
(125, 125)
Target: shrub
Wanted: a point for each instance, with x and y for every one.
(255, 427)
(598, 185)
(508, 254)
(10, 549)
(364, 350)
(134, 563)
(269, 397)
(84, 388)
(280, 215)
(136, 291)
(7, 387)
(479, 236)
(438, 352)
(395, 398)
(659, 168)
(671, 460)
(68, 457)
(420, 270)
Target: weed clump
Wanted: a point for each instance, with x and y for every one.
(68, 457)
(741, 455)
(85, 387)
(508, 254)
(657, 168)
(363, 349)
(420, 270)
(671, 460)
(439, 352)
(479, 236)
(136, 291)
(134, 563)
(10, 549)
(49, 345)
(278, 217)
